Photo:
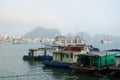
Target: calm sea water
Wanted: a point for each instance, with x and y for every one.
(13, 67)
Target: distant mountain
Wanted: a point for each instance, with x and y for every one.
(41, 32)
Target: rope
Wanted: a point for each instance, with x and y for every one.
(21, 75)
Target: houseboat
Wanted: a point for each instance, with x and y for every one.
(99, 61)
(37, 54)
(67, 55)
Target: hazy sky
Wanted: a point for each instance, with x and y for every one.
(69, 16)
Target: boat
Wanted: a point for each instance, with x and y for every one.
(67, 55)
(117, 51)
(64, 41)
(37, 54)
(93, 49)
(118, 61)
(57, 63)
(19, 41)
(97, 63)
(114, 50)
(106, 41)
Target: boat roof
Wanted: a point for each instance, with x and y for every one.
(67, 52)
(118, 50)
(32, 49)
(100, 53)
(38, 49)
(75, 47)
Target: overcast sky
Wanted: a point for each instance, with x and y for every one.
(69, 16)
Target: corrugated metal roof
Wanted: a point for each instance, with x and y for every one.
(101, 53)
(66, 52)
(69, 52)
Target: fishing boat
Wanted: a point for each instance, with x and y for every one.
(37, 54)
(67, 55)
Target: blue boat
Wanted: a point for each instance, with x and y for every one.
(94, 50)
(117, 51)
(38, 54)
(45, 57)
(57, 64)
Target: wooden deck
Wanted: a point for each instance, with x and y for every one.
(82, 69)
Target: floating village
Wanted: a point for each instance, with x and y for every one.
(75, 54)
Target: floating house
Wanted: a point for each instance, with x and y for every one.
(91, 62)
(67, 56)
(37, 54)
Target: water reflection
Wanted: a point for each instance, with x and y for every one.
(67, 74)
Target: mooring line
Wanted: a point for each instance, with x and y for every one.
(21, 75)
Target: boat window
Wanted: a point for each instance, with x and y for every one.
(105, 61)
(111, 60)
(100, 61)
(71, 56)
(67, 56)
(74, 56)
(63, 56)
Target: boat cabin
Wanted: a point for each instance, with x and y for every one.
(69, 53)
(35, 52)
(118, 61)
(117, 51)
(98, 59)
